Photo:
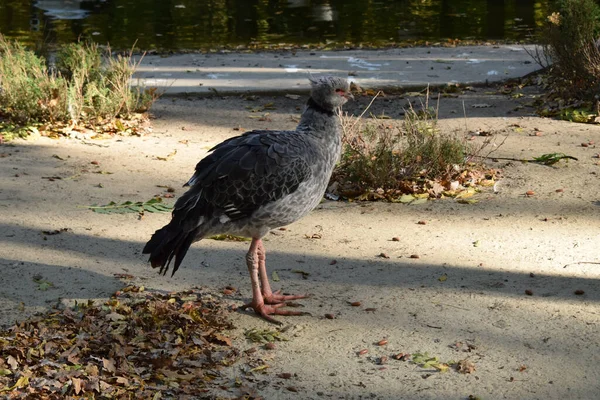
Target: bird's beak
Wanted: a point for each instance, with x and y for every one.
(349, 96)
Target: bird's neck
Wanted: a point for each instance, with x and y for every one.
(318, 120)
(315, 106)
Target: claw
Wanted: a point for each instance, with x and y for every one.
(266, 310)
(276, 297)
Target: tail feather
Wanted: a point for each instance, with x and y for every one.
(166, 243)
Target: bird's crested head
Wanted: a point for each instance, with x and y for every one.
(330, 92)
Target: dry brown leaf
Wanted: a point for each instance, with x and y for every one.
(77, 384)
(221, 339)
(109, 365)
(465, 366)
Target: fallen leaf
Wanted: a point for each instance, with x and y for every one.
(77, 385)
(109, 365)
(123, 276)
(467, 201)
(14, 364)
(304, 274)
(221, 339)
(259, 368)
(465, 366)
(115, 317)
(168, 156)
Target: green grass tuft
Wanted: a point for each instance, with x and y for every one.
(86, 85)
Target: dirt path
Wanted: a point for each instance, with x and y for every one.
(463, 298)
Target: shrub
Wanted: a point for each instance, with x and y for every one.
(87, 85)
(570, 41)
(28, 92)
(379, 157)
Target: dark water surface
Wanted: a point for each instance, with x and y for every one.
(209, 24)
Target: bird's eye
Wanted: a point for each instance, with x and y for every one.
(340, 91)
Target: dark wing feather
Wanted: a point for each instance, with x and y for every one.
(240, 175)
(245, 172)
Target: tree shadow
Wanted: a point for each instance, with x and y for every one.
(30, 287)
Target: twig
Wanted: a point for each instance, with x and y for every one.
(533, 160)
(496, 147)
(582, 262)
(502, 158)
(357, 120)
(365, 110)
(451, 305)
(465, 115)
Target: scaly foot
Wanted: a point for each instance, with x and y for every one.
(278, 298)
(266, 310)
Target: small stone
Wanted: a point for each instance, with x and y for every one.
(270, 346)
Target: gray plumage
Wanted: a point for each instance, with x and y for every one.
(258, 181)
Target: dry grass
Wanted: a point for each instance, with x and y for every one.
(88, 85)
(390, 159)
(570, 43)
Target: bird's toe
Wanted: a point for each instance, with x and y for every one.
(277, 297)
(266, 310)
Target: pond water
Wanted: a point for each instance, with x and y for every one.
(208, 24)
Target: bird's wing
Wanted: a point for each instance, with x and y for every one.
(245, 172)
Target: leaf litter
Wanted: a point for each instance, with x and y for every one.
(138, 344)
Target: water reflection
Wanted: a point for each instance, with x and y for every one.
(58, 9)
(323, 13)
(200, 24)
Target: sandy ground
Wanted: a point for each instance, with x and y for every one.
(540, 346)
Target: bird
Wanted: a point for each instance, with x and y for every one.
(255, 182)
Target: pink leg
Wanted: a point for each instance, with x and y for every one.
(269, 296)
(258, 301)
